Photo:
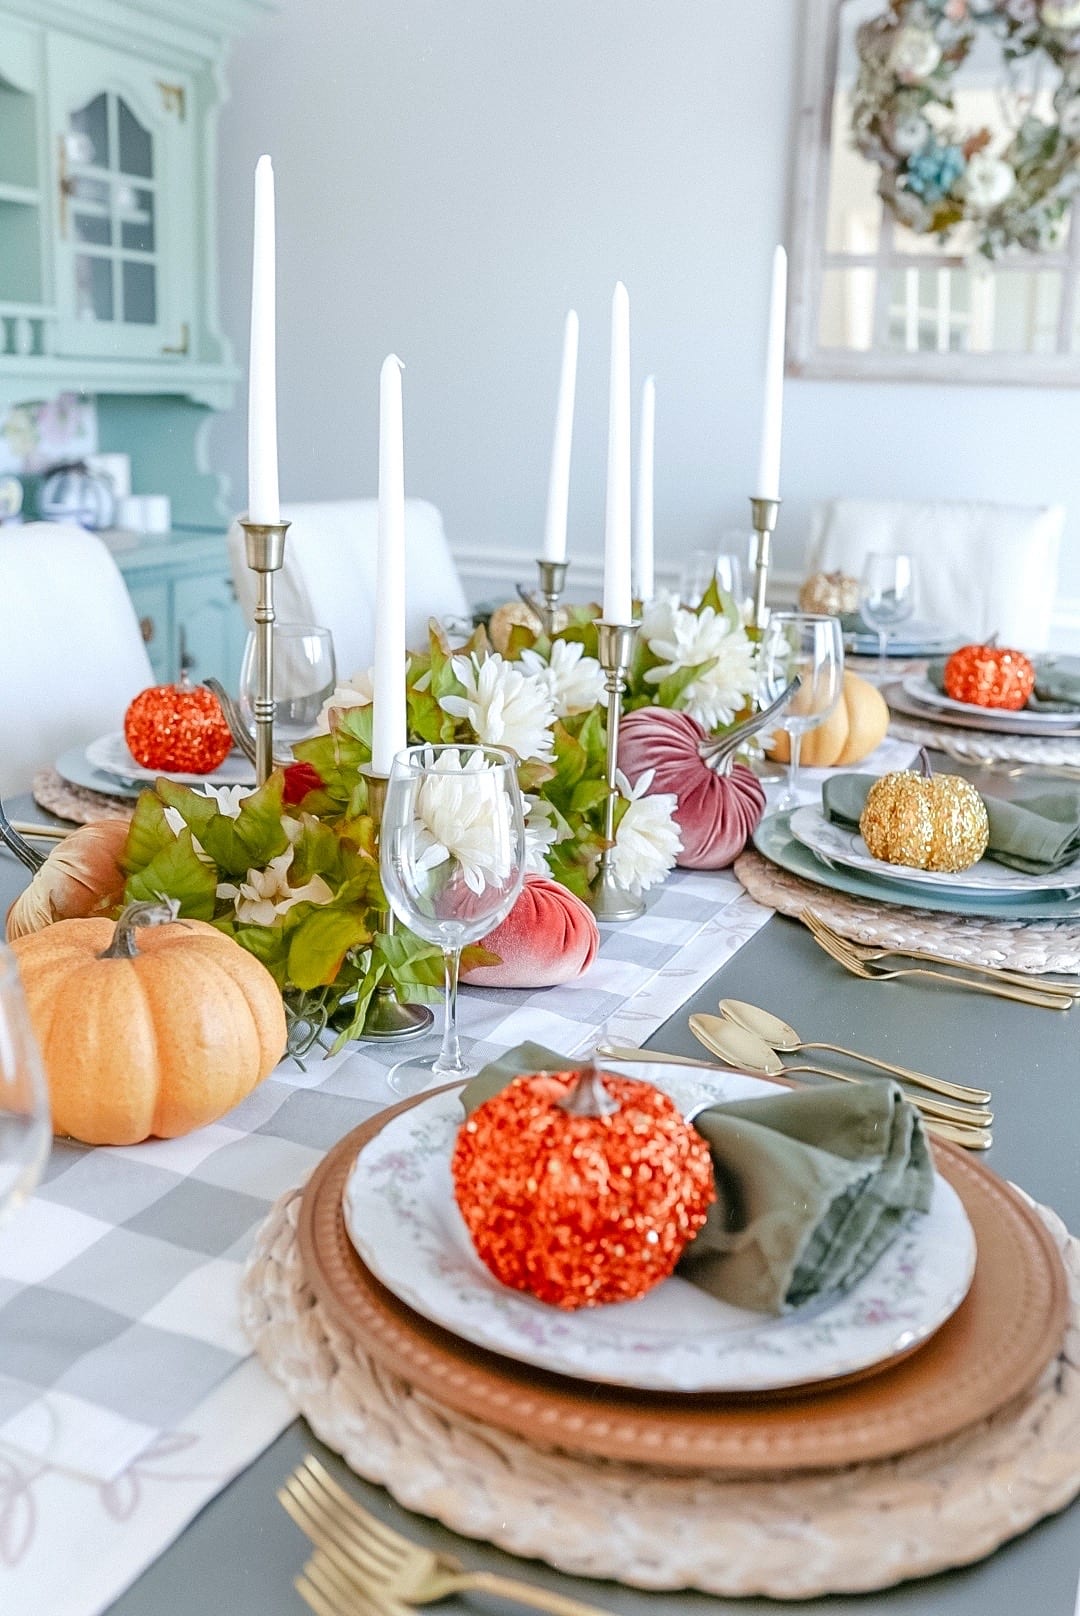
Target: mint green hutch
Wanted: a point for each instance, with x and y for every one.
(108, 272)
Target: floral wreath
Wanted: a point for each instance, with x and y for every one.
(935, 176)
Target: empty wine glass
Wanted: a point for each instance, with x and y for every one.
(25, 1129)
(886, 597)
(812, 647)
(452, 856)
(305, 674)
(705, 566)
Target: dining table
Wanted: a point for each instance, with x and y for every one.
(241, 1552)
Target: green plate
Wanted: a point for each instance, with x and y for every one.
(774, 841)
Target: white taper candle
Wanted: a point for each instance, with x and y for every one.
(388, 718)
(558, 500)
(643, 533)
(768, 477)
(263, 503)
(617, 521)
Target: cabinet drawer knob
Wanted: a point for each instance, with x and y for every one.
(147, 629)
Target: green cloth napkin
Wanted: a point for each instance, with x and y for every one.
(812, 1184)
(1038, 833)
(1057, 684)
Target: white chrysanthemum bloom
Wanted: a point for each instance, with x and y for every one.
(540, 834)
(988, 180)
(914, 55)
(716, 695)
(575, 681)
(504, 706)
(358, 691)
(658, 617)
(265, 894)
(1061, 13)
(647, 838)
(463, 814)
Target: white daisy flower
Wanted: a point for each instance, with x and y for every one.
(686, 639)
(647, 838)
(504, 706)
(574, 681)
(265, 894)
(464, 816)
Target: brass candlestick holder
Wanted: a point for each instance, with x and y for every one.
(545, 600)
(609, 901)
(764, 513)
(264, 544)
(387, 1017)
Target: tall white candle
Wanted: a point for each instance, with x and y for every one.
(768, 477)
(617, 522)
(263, 503)
(558, 500)
(643, 533)
(388, 718)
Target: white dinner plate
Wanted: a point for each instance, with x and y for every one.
(913, 640)
(109, 755)
(838, 845)
(920, 689)
(402, 1218)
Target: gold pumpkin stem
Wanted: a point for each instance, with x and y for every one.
(155, 912)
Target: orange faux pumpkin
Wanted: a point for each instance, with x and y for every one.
(179, 729)
(990, 676)
(157, 1037)
(81, 876)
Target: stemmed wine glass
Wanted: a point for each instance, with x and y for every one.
(305, 674)
(886, 597)
(25, 1129)
(702, 567)
(452, 857)
(812, 647)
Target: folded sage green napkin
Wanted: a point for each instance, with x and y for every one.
(1038, 833)
(812, 1184)
(1057, 684)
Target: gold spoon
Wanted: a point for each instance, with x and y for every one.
(779, 1036)
(748, 1052)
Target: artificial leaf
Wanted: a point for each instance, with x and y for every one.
(148, 833)
(670, 690)
(176, 871)
(319, 941)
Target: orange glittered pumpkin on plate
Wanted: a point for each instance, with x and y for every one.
(179, 729)
(149, 1038)
(990, 676)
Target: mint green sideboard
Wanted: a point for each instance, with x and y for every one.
(184, 598)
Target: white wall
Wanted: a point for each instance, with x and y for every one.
(453, 174)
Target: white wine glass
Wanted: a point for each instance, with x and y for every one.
(810, 647)
(452, 857)
(305, 674)
(25, 1127)
(886, 597)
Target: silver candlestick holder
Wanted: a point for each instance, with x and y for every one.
(764, 513)
(264, 545)
(609, 901)
(545, 600)
(387, 1017)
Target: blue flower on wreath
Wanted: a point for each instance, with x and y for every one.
(932, 172)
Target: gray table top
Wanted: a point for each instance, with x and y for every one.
(241, 1553)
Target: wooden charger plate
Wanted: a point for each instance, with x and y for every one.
(994, 1347)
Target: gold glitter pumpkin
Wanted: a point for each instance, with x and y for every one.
(831, 593)
(504, 619)
(924, 820)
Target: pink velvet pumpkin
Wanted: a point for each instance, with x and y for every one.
(548, 937)
(719, 803)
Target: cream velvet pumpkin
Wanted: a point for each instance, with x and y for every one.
(856, 725)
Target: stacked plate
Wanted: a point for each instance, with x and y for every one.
(678, 1379)
(108, 767)
(915, 639)
(917, 697)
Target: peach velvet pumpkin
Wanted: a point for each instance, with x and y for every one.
(720, 802)
(548, 937)
(81, 876)
(155, 1036)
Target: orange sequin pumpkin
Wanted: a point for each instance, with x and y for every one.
(179, 729)
(990, 676)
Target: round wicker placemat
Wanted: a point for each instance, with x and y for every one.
(789, 1537)
(1037, 946)
(56, 796)
(983, 747)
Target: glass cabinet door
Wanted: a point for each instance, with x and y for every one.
(123, 186)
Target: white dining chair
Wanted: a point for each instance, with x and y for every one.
(981, 568)
(71, 653)
(329, 574)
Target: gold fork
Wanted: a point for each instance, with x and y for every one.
(327, 1591)
(388, 1568)
(840, 952)
(996, 973)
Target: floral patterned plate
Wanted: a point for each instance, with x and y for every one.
(402, 1219)
(109, 755)
(838, 845)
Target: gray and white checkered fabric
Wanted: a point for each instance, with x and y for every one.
(118, 1281)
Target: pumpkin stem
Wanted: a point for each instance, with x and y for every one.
(718, 752)
(158, 912)
(22, 850)
(924, 764)
(587, 1096)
